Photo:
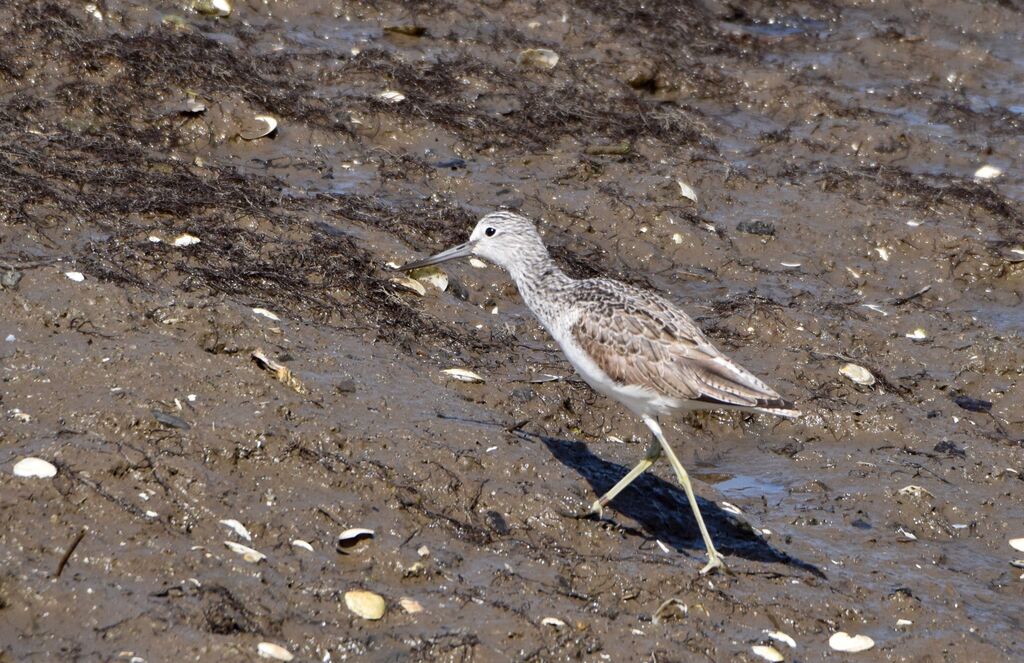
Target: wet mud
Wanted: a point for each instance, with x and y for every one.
(832, 148)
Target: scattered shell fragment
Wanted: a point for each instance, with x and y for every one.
(790, 265)
(77, 277)
(193, 107)
(882, 252)
(391, 96)
(423, 551)
(185, 240)
(34, 468)
(411, 606)
(350, 537)
(731, 508)
(280, 371)
(779, 636)
(677, 238)
(901, 623)
(540, 58)
(432, 276)
(276, 652)
(261, 126)
(918, 334)
(858, 374)
(768, 653)
(915, 491)
(843, 641)
(477, 262)
(365, 604)
(305, 545)
(988, 172)
(266, 314)
(1017, 544)
(409, 284)
(154, 239)
(238, 528)
(686, 190)
(553, 621)
(462, 375)
(18, 415)
(213, 7)
(910, 536)
(248, 554)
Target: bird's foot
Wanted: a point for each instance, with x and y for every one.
(715, 564)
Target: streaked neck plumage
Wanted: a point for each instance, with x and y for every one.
(541, 283)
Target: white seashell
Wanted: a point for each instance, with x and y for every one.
(213, 7)
(553, 621)
(185, 240)
(266, 314)
(876, 308)
(18, 415)
(779, 636)
(686, 190)
(411, 606)
(477, 262)
(432, 276)
(238, 528)
(541, 58)
(423, 551)
(276, 652)
(900, 623)
(988, 172)
(677, 238)
(1017, 544)
(883, 253)
(915, 491)
(365, 604)
(391, 96)
(843, 641)
(266, 125)
(409, 284)
(462, 375)
(305, 545)
(154, 239)
(351, 537)
(248, 554)
(918, 334)
(34, 468)
(77, 277)
(731, 508)
(909, 535)
(790, 265)
(768, 653)
(858, 374)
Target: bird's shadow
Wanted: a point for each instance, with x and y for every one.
(662, 511)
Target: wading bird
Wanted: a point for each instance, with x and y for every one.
(629, 344)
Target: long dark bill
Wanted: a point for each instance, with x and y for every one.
(460, 251)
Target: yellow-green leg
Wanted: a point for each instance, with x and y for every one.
(653, 453)
(714, 559)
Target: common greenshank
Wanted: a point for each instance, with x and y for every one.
(627, 343)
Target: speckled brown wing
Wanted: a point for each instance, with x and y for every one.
(643, 340)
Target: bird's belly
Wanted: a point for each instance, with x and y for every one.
(638, 399)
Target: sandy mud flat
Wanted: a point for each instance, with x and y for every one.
(200, 337)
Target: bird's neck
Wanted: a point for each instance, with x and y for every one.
(540, 281)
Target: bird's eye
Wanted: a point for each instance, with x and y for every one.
(490, 232)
